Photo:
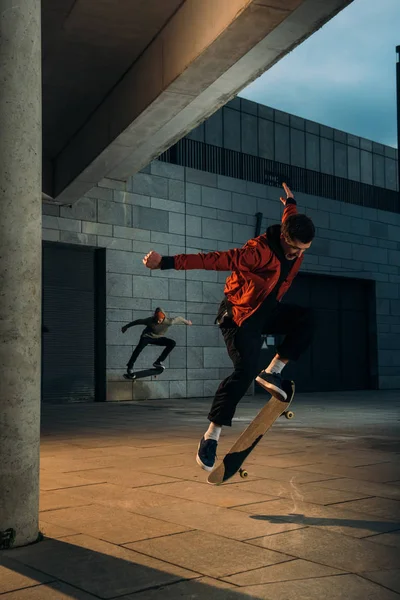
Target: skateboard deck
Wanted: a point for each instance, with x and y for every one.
(144, 373)
(248, 440)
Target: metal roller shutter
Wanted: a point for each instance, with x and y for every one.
(69, 314)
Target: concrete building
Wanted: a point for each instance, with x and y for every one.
(351, 275)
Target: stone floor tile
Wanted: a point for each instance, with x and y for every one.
(326, 518)
(85, 464)
(67, 465)
(52, 530)
(50, 591)
(99, 568)
(290, 570)
(79, 516)
(159, 448)
(232, 495)
(332, 549)
(367, 488)
(58, 481)
(325, 496)
(351, 456)
(112, 524)
(124, 477)
(379, 507)
(168, 461)
(15, 576)
(138, 441)
(387, 539)
(204, 588)
(117, 526)
(389, 579)
(339, 587)
(59, 499)
(291, 460)
(311, 492)
(215, 519)
(383, 472)
(279, 474)
(202, 552)
(109, 494)
(190, 473)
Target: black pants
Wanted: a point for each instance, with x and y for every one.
(244, 345)
(145, 341)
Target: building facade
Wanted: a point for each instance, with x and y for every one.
(214, 190)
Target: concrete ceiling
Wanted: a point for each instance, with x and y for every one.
(125, 79)
(88, 45)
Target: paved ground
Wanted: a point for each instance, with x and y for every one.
(128, 514)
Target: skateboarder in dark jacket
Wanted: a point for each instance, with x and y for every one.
(262, 272)
(154, 334)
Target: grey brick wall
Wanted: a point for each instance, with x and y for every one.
(218, 214)
(171, 209)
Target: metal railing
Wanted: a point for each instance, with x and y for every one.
(222, 161)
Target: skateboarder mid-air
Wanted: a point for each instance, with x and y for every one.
(262, 272)
(154, 334)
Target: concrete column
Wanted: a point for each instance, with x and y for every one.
(20, 266)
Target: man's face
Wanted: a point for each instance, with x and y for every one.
(160, 317)
(293, 248)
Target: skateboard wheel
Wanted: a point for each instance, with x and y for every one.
(289, 414)
(243, 473)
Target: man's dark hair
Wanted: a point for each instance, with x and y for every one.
(299, 227)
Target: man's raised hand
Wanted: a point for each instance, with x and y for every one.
(152, 260)
(288, 192)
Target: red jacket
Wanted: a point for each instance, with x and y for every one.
(255, 271)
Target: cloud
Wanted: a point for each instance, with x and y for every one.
(344, 75)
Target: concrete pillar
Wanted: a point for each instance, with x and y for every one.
(20, 267)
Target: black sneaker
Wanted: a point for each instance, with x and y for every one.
(158, 365)
(272, 383)
(206, 454)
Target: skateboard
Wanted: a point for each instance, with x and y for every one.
(144, 373)
(248, 440)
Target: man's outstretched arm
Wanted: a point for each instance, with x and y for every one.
(180, 320)
(248, 258)
(133, 323)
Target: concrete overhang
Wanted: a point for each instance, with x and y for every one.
(123, 81)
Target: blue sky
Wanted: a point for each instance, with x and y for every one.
(344, 75)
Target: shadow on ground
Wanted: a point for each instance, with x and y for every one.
(300, 519)
(82, 571)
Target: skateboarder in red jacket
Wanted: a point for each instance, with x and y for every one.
(262, 272)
